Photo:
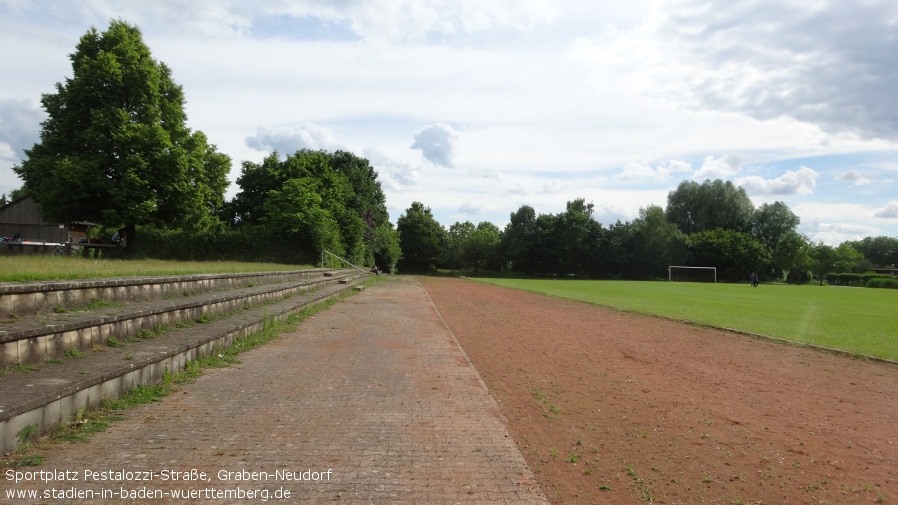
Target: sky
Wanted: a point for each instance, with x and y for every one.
(475, 108)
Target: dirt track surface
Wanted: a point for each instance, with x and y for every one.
(609, 407)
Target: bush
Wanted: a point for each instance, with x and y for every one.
(884, 281)
(850, 279)
(251, 244)
(844, 279)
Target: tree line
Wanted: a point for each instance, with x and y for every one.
(712, 223)
(115, 150)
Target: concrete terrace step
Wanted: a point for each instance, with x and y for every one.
(48, 336)
(56, 392)
(22, 299)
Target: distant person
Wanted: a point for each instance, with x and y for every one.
(754, 279)
(119, 237)
(375, 270)
(17, 237)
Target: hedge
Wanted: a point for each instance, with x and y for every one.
(246, 244)
(870, 280)
(886, 282)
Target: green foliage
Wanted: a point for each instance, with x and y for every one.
(823, 260)
(481, 249)
(883, 282)
(453, 254)
(386, 247)
(25, 434)
(850, 260)
(578, 238)
(421, 237)
(652, 244)
(517, 243)
(115, 148)
(793, 252)
(296, 210)
(880, 251)
(695, 207)
(770, 222)
(870, 280)
(74, 353)
(571, 242)
(735, 254)
(315, 200)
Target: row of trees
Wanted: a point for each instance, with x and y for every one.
(709, 224)
(115, 150)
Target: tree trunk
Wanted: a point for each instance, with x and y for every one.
(130, 239)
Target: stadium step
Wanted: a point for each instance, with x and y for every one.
(64, 362)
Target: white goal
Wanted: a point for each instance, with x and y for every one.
(691, 274)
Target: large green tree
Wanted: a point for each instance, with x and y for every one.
(735, 254)
(880, 251)
(518, 241)
(573, 229)
(695, 207)
(481, 249)
(793, 253)
(421, 237)
(348, 191)
(456, 243)
(653, 244)
(771, 221)
(115, 148)
(848, 259)
(823, 260)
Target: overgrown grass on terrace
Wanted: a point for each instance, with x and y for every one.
(858, 320)
(42, 268)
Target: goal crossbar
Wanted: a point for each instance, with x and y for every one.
(671, 268)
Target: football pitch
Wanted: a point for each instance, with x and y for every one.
(858, 320)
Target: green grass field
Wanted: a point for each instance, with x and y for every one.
(859, 320)
(42, 268)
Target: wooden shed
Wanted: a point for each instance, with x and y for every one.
(23, 217)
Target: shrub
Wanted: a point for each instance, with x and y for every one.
(886, 282)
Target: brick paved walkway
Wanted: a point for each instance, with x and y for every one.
(372, 397)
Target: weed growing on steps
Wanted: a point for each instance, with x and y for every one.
(20, 368)
(74, 353)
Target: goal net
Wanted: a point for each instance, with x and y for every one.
(691, 274)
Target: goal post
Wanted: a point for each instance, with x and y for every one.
(678, 273)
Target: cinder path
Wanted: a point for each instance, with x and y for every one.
(371, 401)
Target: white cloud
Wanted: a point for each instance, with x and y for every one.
(836, 233)
(720, 168)
(641, 172)
(799, 182)
(470, 209)
(290, 140)
(393, 175)
(8, 178)
(558, 99)
(889, 211)
(437, 144)
(389, 20)
(854, 177)
(19, 123)
(808, 60)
